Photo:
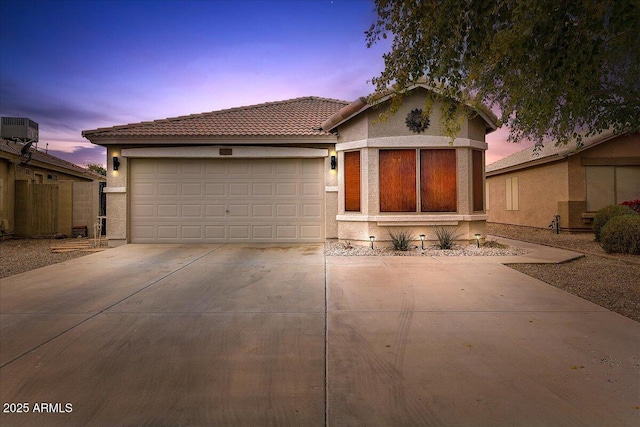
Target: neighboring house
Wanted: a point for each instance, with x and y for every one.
(42, 195)
(300, 170)
(530, 189)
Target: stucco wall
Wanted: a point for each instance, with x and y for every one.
(540, 189)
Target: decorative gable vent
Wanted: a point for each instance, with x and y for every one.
(19, 129)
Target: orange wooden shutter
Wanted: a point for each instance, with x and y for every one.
(438, 181)
(352, 181)
(397, 180)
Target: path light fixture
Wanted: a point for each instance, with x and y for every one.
(116, 163)
(422, 236)
(477, 239)
(372, 238)
(333, 162)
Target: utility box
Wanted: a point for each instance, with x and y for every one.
(19, 129)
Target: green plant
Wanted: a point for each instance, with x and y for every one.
(446, 236)
(605, 214)
(401, 240)
(621, 234)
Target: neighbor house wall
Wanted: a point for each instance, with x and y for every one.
(560, 187)
(540, 189)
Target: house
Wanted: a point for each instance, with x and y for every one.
(300, 170)
(42, 195)
(530, 189)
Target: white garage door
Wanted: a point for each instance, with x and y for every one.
(227, 200)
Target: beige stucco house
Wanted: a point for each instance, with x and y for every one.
(300, 170)
(42, 195)
(530, 189)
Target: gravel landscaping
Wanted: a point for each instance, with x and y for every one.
(611, 281)
(20, 255)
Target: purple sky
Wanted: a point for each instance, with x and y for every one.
(77, 65)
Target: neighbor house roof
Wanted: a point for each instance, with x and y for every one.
(548, 153)
(45, 160)
(294, 117)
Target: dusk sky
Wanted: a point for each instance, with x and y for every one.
(78, 65)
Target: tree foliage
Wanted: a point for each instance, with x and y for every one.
(97, 168)
(553, 70)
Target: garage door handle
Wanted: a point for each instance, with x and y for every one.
(227, 210)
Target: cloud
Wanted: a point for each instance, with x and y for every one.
(82, 156)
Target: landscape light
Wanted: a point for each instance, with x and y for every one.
(478, 239)
(422, 237)
(372, 238)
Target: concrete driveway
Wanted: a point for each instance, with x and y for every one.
(282, 335)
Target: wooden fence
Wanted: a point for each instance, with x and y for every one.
(36, 209)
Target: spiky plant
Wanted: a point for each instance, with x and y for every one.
(401, 240)
(446, 236)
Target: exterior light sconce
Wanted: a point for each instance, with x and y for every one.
(116, 163)
(477, 239)
(422, 237)
(372, 238)
(333, 162)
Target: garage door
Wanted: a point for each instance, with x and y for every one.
(227, 200)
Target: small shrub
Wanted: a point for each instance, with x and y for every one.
(494, 245)
(633, 204)
(347, 245)
(605, 214)
(621, 234)
(401, 240)
(446, 236)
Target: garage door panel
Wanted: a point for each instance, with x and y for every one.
(285, 189)
(216, 232)
(262, 232)
(167, 167)
(167, 189)
(193, 232)
(263, 211)
(144, 210)
(238, 189)
(312, 189)
(215, 211)
(167, 232)
(287, 210)
(168, 211)
(144, 189)
(215, 189)
(262, 189)
(191, 189)
(285, 232)
(239, 211)
(191, 211)
(310, 232)
(227, 200)
(311, 211)
(286, 169)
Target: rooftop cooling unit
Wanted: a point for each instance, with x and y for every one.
(19, 129)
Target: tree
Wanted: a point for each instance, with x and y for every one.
(97, 168)
(552, 70)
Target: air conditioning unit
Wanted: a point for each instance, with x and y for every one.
(19, 129)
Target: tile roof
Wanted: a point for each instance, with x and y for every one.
(293, 117)
(550, 152)
(40, 156)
